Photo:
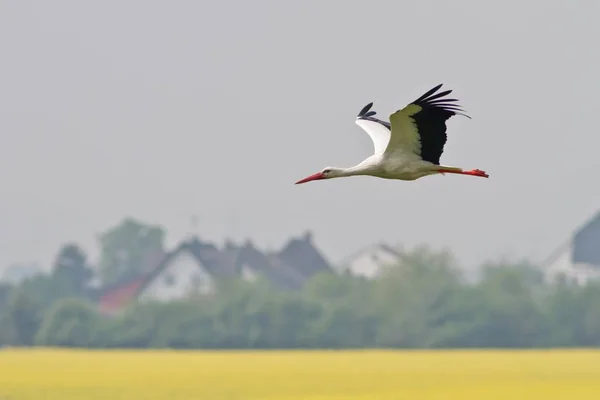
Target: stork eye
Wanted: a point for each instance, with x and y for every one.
(326, 171)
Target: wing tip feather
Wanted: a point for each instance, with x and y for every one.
(365, 110)
(437, 100)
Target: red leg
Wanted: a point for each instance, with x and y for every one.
(473, 172)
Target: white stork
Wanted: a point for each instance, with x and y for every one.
(409, 146)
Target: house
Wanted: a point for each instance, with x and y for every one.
(250, 263)
(577, 260)
(369, 261)
(117, 295)
(194, 267)
(303, 256)
(112, 298)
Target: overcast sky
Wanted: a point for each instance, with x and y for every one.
(166, 109)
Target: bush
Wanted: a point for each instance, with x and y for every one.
(420, 303)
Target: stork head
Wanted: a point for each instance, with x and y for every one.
(326, 173)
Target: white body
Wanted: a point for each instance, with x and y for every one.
(409, 146)
(397, 165)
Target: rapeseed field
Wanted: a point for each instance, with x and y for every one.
(298, 375)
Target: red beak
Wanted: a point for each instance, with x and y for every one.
(313, 177)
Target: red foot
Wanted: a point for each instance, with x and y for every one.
(473, 172)
(477, 172)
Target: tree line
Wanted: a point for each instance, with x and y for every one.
(421, 302)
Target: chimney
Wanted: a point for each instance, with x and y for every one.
(308, 236)
(229, 245)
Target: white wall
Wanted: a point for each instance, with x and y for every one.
(248, 273)
(562, 265)
(368, 262)
(181, 277)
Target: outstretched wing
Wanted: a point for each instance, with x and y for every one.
(420, 127)
(378, 131)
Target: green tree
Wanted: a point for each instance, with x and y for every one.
(22, 318)
(71, 270)
(512, 316)
(591, 315)
(422, 301)
(7, 328)
(126, 247)
(347, 314)
(5, 290)
(70, 322)
(44, 290)
(411, 297)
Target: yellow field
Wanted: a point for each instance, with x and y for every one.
(87, 375)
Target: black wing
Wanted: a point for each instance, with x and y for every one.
(369, 116)
(431, 122)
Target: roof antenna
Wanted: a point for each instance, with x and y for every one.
(193, 229)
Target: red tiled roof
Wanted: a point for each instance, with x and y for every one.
(115, 299)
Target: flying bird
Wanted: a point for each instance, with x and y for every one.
(408, 147)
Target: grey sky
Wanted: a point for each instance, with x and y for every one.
(161, 110)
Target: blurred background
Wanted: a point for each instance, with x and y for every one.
(148, 152)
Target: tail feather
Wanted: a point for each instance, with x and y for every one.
(450, 169)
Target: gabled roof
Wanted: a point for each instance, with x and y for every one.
(216, 262)
(274, 269)
(303, 256)
(287, 269)
(583, 245)
(369, 249)
(96, 293)
(586, 243)
(111, 298)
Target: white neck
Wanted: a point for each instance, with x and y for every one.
(364, 168)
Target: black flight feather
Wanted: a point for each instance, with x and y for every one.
(431, 122)
(369, 116)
